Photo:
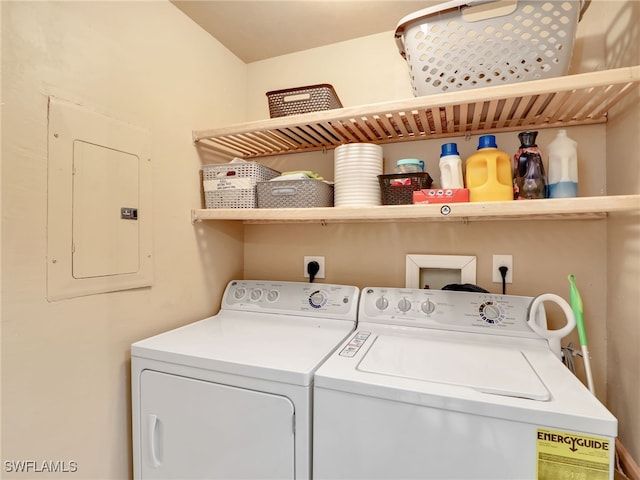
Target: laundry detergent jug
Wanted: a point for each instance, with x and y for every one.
(488, 172)
(563, 166)
(450, 167)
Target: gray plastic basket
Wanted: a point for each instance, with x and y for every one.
(233, 185)
(295, 194)
(465, 44)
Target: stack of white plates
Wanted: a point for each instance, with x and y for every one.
(357, 166)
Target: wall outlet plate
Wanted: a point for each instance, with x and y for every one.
(502, 261)
(318, 259)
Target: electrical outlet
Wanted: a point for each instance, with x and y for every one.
(320, 261)
(502, 261)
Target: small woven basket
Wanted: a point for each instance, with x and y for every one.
(233, 185)
(294, 101)
(392, 194)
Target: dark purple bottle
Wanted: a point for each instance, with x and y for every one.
(529, 179)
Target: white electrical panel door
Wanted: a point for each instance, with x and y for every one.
(99, 203)
(105, 206)
(197, 429)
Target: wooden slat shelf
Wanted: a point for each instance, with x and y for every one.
(547, 209)
(555, 102)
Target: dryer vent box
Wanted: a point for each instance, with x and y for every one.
(99, 203)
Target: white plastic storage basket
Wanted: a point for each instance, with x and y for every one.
(465, 44)
(233, 185)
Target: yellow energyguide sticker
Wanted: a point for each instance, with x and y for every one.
(571, 456)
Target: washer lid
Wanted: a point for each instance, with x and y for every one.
(489, 369)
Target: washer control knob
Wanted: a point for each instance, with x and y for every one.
(272, 295)
(317, 299)
(492, 312)
(239, 293)
(256, 294)
(428, 307)
(404, 305)
(382, 303)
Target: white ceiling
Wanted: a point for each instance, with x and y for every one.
(256, 30)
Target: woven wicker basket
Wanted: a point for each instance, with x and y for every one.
(295, 194)
(294, 101)
(233, 185)
(402, 194)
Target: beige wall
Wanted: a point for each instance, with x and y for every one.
(65, 364)
(362, 71)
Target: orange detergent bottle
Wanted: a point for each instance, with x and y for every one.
(489, 173)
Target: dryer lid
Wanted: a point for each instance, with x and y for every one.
(489, 369)
(280, 348)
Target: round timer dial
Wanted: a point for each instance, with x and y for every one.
(318, 299)
(491, 312)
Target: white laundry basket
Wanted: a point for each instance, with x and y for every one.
(464, 44)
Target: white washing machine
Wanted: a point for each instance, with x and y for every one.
(455, 385)
(230, 396)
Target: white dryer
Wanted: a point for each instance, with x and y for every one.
(230, 396)
(454, 385)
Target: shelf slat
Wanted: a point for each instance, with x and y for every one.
(547, 209)
(555, 102)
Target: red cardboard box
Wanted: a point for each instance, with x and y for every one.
(441, 195)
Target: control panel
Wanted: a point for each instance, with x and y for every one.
(351, 348)
(448, 310)
(292, 298)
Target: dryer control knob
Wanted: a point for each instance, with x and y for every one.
(404, 305)
(272, 295)
(317, 299)
(239, 293)
(382, 303)
(428, 307)
(256, 294)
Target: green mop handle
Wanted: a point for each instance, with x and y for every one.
(576, 306)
